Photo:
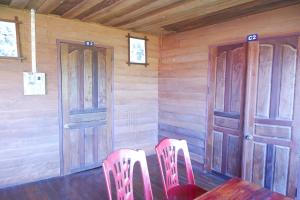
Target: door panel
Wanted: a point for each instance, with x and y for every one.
(287, 89)
(217, 151)
(259, 152)
(220, 84)
(270, 153)
(86, 106)
(228, 109)
(264, 81)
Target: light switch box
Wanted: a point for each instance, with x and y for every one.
(34, 83)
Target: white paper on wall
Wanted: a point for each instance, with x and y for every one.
(34, 83)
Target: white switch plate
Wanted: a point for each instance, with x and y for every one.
(34, 83)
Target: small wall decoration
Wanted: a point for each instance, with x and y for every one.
(137, 50)
(9, 39)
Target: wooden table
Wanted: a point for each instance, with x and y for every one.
(236, 188)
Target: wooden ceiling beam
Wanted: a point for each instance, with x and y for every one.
(114, 10)
(65, 6)
(189, 9)
(184, 12)
(21, 4)
(139, 12)
(98, 8)
(124, 11)
(229, 14)
(49, 6)
(80, 8)
(35, 4)
(153, 12)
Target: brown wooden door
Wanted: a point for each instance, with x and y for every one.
(86, 106)
(227, 117)
(272, 119)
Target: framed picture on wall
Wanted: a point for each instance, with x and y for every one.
(137, 50)
(9, 39)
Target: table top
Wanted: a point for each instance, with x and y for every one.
(236, 188)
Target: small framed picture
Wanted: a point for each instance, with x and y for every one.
(9, 39)
(137, 50)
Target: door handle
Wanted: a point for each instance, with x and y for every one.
(248, 137)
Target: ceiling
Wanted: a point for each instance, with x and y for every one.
(152, 16)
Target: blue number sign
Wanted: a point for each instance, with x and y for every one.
(252, 37)
(89, 43)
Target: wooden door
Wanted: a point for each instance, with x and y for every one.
(227, 112)
(86, 106)
(272, 119)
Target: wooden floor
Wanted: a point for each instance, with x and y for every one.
(90, 185)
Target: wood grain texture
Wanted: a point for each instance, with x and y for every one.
(143, 12)
(241, 10)
(238, 189)
(281, 132)
(220, 84)
(91, 184)
(184, 56)
(30, 130)
(35, 4)
(65, 6)
(287, 87)
(88, 79)
(228, 121)
(152, 16)
(65, 67)
(84, 120)
(294, 172)
(80, 8)
(98, 8)
(234, 156)
(259, 165)
(217, 151)
(212, 62)
(281, 169)
(278, 132)
(118, 12)
(49, 6)
(264, 81)
(19, 3)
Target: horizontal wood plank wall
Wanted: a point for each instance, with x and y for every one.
(29, 132)
(183, 71)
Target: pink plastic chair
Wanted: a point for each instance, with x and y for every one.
(121, 164)
(167, 153)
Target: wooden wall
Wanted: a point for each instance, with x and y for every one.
(183, 71)
(29, 133)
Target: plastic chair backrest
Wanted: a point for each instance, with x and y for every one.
(167, 155)
(121, 164)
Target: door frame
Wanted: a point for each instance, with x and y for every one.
(60, 100)
(210, 99)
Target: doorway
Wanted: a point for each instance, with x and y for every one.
(86, 106)
(262, 140)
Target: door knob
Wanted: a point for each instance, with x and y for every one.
(249, 137)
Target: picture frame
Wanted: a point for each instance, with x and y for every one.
(137, 50)
(10, 39)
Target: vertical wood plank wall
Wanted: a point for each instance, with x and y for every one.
(29, 133)
(183, 71)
